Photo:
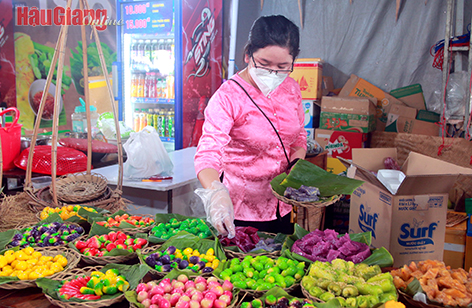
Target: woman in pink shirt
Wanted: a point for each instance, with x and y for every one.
(253, 129)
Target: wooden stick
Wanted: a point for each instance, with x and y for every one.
(397, 11)
(112, 100)
(41, 109)
(262, 4)
(1, 160)
(55, 121)
(86, 92)
(300, 12)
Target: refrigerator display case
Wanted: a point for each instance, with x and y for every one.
(169, 64)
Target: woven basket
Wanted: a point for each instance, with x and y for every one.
(319, 204)
(309, 296)
(73, 259)
(134, 230)
(86, 304)
(410, 302)
(236, 302)
(106, 259)
(110, 200)
(240, 255)
(80, 187)
(64, 245)
(152, 271)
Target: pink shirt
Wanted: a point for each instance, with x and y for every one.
(238, 140)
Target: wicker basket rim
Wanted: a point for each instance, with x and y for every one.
(91, 186)
(322, 203)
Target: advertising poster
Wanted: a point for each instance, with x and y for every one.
(36, 31)
(202, 59)
(7, 54)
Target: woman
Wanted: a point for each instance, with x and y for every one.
(241, 145)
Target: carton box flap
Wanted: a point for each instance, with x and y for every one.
(352, 105)
(427, 184)
(372, 159)
(419, 164)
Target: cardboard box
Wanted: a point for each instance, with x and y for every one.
(335, 166)
(411, 95)
(413, 126)
(428, 116)
(411, 224)
(308, 73)
(355, 114)
(340, 143)
(454, 245)
(400, 111)
(327, 85)
(357, 86)
(308, 111)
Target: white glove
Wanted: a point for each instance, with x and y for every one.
(218, 208)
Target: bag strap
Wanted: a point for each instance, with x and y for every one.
(270, 122)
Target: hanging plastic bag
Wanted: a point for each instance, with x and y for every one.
(147, 155)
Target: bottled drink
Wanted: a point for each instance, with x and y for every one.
(134, 52)
(161, 123)
(170, 124)
(140, 87)
(142, 120)
(152, 85)
(136, 123)
(134, 85)
(166, 124)
(147, 81)
(155, 117)
(147, 52)
(154, 53)
(140, 52)
(158, 88)
(149, 119)
(170, 86)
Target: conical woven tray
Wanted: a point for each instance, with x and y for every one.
(80, 187)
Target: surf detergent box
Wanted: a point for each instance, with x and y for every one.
(410, 224)
(354, 114)
(308, 73)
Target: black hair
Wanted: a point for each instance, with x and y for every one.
(274, 30)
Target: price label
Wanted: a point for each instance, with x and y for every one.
(148, 17)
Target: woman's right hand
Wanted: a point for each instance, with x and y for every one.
(218, 208)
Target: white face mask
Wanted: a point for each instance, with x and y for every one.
(266, 81)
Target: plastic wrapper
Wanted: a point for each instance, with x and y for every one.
(391, 163)
(304, 193)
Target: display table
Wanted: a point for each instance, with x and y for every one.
(184, 174)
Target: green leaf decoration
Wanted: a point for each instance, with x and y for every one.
(100, 230)
(379, 256)
(6, 237)
(54, 217)
(165, 218)
(132, 273)
(306, 173)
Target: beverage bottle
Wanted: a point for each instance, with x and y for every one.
(154, 53)
(170, 86)
(161, 123)
(149, 119)
(133, 85)
(140, 52)
(171, 51)
(146, 85)
(166, 124)
(142, 120)
(155, 117)
(136, 120)
(158, 88)
(139, 85)
(170, 125)
(142, 84)
(133, 52)
(147, 52)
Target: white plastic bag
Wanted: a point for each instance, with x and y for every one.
(147, 155)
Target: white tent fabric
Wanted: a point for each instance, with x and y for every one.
(363, 38)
